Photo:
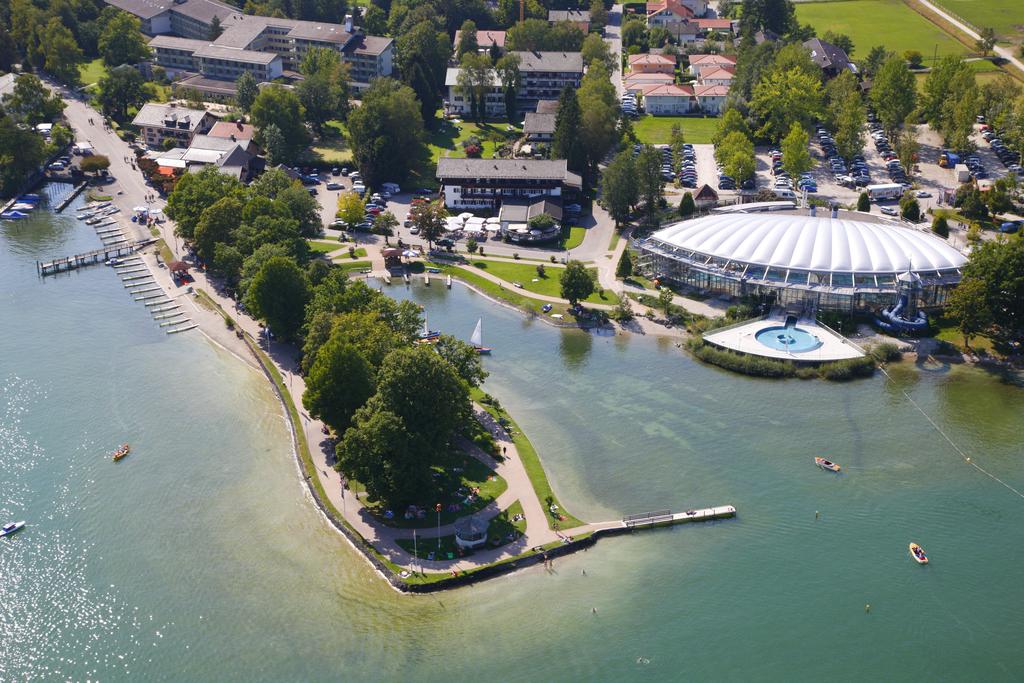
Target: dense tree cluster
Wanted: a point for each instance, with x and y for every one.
(990, 298)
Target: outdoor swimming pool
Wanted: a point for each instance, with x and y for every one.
(787, 338)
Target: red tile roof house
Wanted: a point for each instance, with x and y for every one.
(669, 100)
(635, 83)
(675, 15)
(699, 63)
(722, 75)
(648, 64)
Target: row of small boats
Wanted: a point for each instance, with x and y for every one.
(916, 551)
(429, 336)
(22, 207)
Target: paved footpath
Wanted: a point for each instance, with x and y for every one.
(1004, 52)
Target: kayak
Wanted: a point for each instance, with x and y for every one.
(11, 527)
(826, 465)
(917, 552)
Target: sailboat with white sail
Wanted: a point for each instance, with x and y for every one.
(477, 340)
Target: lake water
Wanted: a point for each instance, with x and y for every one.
(199, 557)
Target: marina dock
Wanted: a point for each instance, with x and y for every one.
(70, 198)
(667, 517)
(101, 255)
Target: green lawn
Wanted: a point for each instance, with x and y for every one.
(498, 531)
(494, 290)
(462, 476)
(889, 23)
(344, 258)
(946, 330)
(534, 468)
(447, 140)
(91, 72)
(324, 247)
(657, 130)
(1003, 15)
(549, 285)
(333, 147)
(575, 238)
(354, 266)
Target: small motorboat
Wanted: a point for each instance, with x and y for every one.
(28, 198)
(917, 552)
(434, 270)
(11, 527)
(114, 262)
(427, 335)
(827, 465)
(23, 206)
(124, 450)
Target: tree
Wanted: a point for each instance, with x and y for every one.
(274, 144)
(870, 65)
(405, 377)
(624, 268)
(665, 296)
(281, 107)
(324, 91)
(474, 81)
(940, 227)
(777, 16)
(648, 177)
(687, 207)
(94, 163)
(122, 87)
(893, 93)
(909, 208)
(969, 307)
(429, 217)
(385, 224)
(193, 193)
(619, 190)
(907, 147)
(675, 143)
(577, 283)
(467, 39)
(634, 33)
(463, 358)
(599, 106)
(31, 102)
(386, 132)
(796, 158)
(60, 51)
(278, 294)
(351, 208)
(217, 224)
(375, 21)
(566, 143)
(598, 14)
(840, 40)
(215, 29)
(945, 83)
(996, 99)
(864, 203)
(121, 41)
(339, 382)
(784, 97)
(21, 152)
(969, 200)
(248, 89)
(735, 154)
(421, 55)
(379, 452)
(914, 58)
(732, 121)
(958, 127)
(595, 49)
(508, 72)
(986, 41)
(8, 50)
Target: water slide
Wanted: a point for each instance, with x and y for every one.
(892, 320)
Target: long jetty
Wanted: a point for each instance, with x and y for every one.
(101, 255)
(71, 195)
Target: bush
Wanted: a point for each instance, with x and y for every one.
(909, 208)
(864, 203)
(884, 353)
(471, 245)
(940, 227)
(843, 370)
(540, 271)
(747, 365)
(625, 267)
(686, 205)
(914, 58)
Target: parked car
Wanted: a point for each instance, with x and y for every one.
(334, 186)
(889, 211)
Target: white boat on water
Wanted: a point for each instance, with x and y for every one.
(11, 527)
(477, 340)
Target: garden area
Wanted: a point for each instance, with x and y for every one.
(332, 148)
(1002, 15)
(464, 485)
(889, 23)
(657, 130)
(505, 527)
(540, 279)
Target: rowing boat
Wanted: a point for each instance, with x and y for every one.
(827, 465)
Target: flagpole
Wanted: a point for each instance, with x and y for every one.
(438, 508)
(415, 552)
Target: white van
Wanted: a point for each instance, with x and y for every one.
(393, 188)
(782, 193)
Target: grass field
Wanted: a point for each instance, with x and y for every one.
(333, 147)
(92, 72)
(447, 140)
(549, 285)
(1005, 16)
(657, 130)
(889, 23)
(324, 247)
(575, 238)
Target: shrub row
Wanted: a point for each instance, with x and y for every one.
(756, 366)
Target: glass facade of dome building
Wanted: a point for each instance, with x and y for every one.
(826, 263)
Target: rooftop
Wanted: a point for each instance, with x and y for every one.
(711, 59)
(575, 15)
(176, 43)
(811, 243)
(564, 62)
(225, 129)
(156, 115)
(485, 38)
(668, 90)
(651, 59)
(235, 54)
(547, 106)
(539, 124)
(451, 77)
(512, 169)
(370, 45)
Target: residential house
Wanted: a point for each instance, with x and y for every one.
(487, 183)
(161, 122)
(233, 130)
(539, 127)
(722, 75)
(711, 98)
(458, 102)
(707, 26)
(669, 99)
(652, 63)
(700, 63)
(579, 18)
(484, 40)
(636, 83)
(543, 75)
(515, 218)
(833, 60)
(675, 15)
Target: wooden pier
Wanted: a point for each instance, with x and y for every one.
(667, 517)
(67, 200)
(101, 255)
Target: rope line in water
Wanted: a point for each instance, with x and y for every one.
(963, 455)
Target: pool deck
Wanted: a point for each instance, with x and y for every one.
(742, 338)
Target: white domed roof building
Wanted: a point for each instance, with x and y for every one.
(830, 263)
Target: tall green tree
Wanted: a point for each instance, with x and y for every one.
(463, 358)
(619, 190)
(247, 89)
(375, 21)
(281, 107)
(567, 143)
(421, 55)
(784, 97)
(595, 49)
(968, 305)
(122, 87)
(474, 82)
(598, 103)
(278, 294)
(193, 193)
(735, 154)
(21, 152)
(796, 157)
(507, 68)
(467, 39)
(428, 218)
(576, 282)
(324, 92)
(339, 383)
(216, 225)
(121, 41)
(386, 132)
(61, 54)
(380, 453)
(649, 182)
(893, 93)
(32, 102)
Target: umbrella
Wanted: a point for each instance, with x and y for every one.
(491, 227)
(465, 215)
(493, 219)
(474, 221)
(391, 253)
(410, 253)
(140, 208)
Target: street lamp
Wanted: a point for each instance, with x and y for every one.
(438, 508)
